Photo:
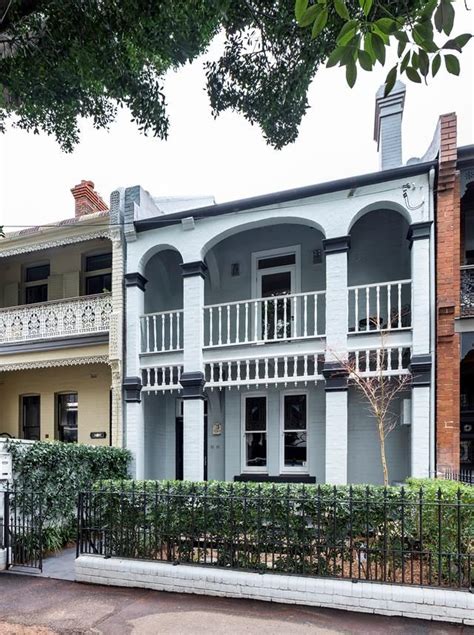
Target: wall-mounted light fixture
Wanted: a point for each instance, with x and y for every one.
(235, 269)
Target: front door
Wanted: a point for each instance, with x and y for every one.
(30, 417)
(276, 312)
(179, 441)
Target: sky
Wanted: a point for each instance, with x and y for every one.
(227, 157)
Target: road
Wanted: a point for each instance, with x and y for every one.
(44, 606)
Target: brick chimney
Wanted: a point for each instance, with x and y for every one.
(86, 199)
(388, 125)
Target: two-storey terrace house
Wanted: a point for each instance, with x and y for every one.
(239, 315)
(60, 327)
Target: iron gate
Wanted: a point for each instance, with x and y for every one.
(21, 533)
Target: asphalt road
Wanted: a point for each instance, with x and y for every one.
(43, 606)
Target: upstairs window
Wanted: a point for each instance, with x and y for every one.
(98, 273)
(36, 283)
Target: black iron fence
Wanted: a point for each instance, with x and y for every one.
(463, 476)
(21, 527)
(393, 535)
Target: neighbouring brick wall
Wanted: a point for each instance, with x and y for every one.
(448, 260)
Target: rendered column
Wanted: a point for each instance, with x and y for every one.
(134, 415)
(421, 361)
(192, 378)
(336, 352)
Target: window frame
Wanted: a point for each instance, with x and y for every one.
(288, 469)
(56, 413)
(250, 469)
(271, 253)
(96, 272)
(35, 283)
(21, 427)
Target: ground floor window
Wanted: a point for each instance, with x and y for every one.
(30, 417)
(255, 433)
(294, 433)
(66, 408)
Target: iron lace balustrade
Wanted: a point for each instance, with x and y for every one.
(467, 291)
(58, 318)
(396, 535)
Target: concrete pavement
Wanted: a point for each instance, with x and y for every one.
(43, 606)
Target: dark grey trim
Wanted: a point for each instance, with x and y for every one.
(264, 478)
(135, 279)
(420, 368)
(74, 341)
(336, 377)
(132, 387)
(274, 198)
(196, 268)
(419, 231)
(193, 385)
(336, 245)
(465, 156)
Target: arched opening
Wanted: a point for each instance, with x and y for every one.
(163, 322)
(265, 283)
(379, 272)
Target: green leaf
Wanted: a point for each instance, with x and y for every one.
(335, 56)
(452, 64)
(435, 64)
(365, 60)
(401, 36)
(413, 75)
(401, 47)
(300, 8)
(379, 48)
(405, 62)
(368, 47)
(428, 9)
(347, 32)
(390, 80)
(351, 74)
(444, 17)
(341, 9)
(423, 63)
(463, 39)
(309, 15)
(386, 25)
(366, 6)
(320, 21)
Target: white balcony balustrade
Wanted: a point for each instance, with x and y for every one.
(58, 318)
(272, 319)
(162, 332)
(161, 378)
(381, 361)
(378, 307)
(264, 371)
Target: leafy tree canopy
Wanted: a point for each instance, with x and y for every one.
(65, 59)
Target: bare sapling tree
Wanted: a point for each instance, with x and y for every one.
(380, 378)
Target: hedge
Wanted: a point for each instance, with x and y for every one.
(298, 528)
(57, 472)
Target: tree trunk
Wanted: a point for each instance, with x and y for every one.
(382, 453)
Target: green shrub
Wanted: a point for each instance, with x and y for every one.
(57, 472)
(358, 531)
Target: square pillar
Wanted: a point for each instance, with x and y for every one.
(421, 357)
(336, 351)
(132, 384)
(192, 378)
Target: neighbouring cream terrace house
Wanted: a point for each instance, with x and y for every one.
(238, 314)
(60, 320)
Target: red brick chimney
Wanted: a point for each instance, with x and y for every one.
(87, 201)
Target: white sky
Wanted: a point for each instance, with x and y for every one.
(227, 157)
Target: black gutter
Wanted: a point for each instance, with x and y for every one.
(285, 196)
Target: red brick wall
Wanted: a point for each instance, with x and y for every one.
(448, 260)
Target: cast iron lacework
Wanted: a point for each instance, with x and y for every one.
(73, 316)
(467, 292)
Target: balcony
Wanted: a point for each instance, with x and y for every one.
(467, 291)
(59, 318)
(380, 307)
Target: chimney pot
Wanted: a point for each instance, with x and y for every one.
(388, 125)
